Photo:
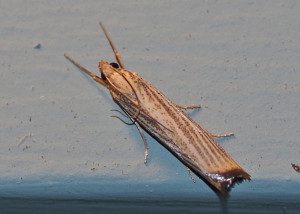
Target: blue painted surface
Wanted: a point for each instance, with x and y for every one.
(239, 60)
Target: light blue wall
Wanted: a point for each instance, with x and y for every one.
(238, 59)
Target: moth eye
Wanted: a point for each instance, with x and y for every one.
(103, 76)
(115, 65)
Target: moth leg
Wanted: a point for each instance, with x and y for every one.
(185, 107)
(226, 134)
(85, 70)
(190, 174)
(127, 123)
(117, 54)
(140, 131)
(146, 148)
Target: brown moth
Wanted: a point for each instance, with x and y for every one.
(151, 111)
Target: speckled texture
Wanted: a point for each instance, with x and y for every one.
(238, 59)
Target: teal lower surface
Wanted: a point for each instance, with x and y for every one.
(76, 194)
(257, 196)
(160, 205)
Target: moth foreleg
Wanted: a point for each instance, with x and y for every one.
(138, 128)
(127, 123)
(185, 107)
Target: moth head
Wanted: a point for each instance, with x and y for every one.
(116, 77)
(107, 69)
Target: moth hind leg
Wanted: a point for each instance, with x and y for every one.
(186, 107)
(226, 134)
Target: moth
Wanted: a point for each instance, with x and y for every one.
(151, 111)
